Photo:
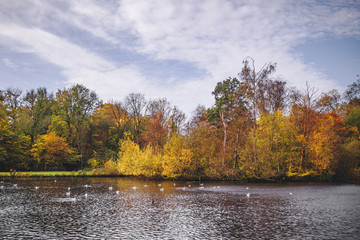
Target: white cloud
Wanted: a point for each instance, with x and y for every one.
(215, 36)
(8, 63)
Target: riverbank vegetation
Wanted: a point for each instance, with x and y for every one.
(258, 128)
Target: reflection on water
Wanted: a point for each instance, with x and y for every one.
(129, 208)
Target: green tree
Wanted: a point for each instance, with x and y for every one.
(75, 105)
(35, 116)
(229, 112)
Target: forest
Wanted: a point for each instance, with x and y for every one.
(258, 128)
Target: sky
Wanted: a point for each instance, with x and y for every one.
(175, 49)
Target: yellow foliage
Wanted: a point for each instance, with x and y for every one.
(176, 158)
(322, 144)
(51, 151)
(134, 161)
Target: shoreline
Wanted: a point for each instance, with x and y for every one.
(92, 173)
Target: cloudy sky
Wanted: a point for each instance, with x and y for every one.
(175, 49)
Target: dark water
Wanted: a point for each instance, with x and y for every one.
(144, 210)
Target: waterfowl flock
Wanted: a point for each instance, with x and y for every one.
(117, 192)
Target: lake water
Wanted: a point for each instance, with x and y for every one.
(129, 208)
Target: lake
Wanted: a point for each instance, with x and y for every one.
(131, 208)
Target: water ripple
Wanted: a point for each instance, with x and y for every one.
(140, 210)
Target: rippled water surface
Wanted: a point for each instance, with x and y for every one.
(129, 208)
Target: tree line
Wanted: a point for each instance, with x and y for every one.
(258, 128)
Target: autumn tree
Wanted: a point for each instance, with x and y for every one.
(35, 114)
(323, 144)
(135, 105)
(204, 144)
(74, 106)
(329, 101)
(14, 147)
(255, 84)
(274, 145)
(177, 158)
(158, 128)
(230, 113)
(108, 124)
(352, 93)
(11, 99)
(52, 152)
(304, 118)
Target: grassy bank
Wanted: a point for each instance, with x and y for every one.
(90, 173)
(304, 177)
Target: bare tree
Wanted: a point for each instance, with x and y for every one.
(177, 120)
(135, 105)
(329, 102)
(255, 81)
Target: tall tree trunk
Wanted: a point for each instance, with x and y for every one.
(225, 137)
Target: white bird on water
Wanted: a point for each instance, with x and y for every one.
(110, 188)
(117, 192)
(86, 195)
(248, 194)
(36, 188)
(159, 184)
(290, 193)
(161, 189)
(68, 194)
(68, 188)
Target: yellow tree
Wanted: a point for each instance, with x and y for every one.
(138, 162)
(51, 152)
(323, 143)
(273, 144)
(176, 158)
(109, 123)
